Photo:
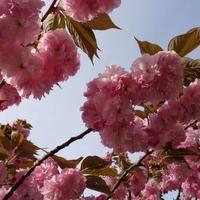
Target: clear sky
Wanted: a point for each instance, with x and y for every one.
(57, 117)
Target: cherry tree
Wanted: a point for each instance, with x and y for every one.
(151, 108)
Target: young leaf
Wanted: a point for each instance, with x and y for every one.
(191, 70)
(15, 138)
(54, 21)
(181, 152)
(26, 149)
(101, 22)
(6, 143)
(184, 44)
(3, 153)
(147, 47)
(83, 37)
(93, 162)
(141, 114)
(152, 108)
(98, 184)
(26, 163)
(63, 163)
(107, 171)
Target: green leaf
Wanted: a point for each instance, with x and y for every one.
(147, 47)
(191, 70)
(184, 44)
(83, 37)
(98, 184)
(101, 172)
(54, 21)
(101, 22)
(27, 149)
(94, 162)
(63, 163)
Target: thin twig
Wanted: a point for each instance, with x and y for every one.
(49, 10)
(179, 194)
(127, 172)
(50, 154)
(191, 124)
(2, 83)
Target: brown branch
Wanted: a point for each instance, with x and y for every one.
(126, 172)
(2, 83)
(179, 194)
(191, 124)
(49, 10)
(50, 154)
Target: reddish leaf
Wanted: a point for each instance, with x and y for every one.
(101, 22)
(147, 47)
(94, 162)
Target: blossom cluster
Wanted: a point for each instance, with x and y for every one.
(86, 10)
(47, 182)
(31, 61)
(113, 96)
(110, 109)
(162, 171)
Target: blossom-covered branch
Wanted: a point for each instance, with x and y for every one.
(126, 172)
(50, 154)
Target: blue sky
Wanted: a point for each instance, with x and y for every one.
(57, 117)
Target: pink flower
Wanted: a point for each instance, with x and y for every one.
(4, 6)
(191, 187)
(173, 176)
(21, 69)
(190, 102)
(163, 124)
(108, 6)
(138, 180)
(120, 193)
(31, 6)
(192, 140)
(109, 110)
(28, 189)
(69, 184)
(86, 10)
(45, 171)
(59, 55)
(152, 190)
(80, 10)
(108, 100)
(23, 20)
(3, 192)
(132, 139)
(9, 96)
(159, 77)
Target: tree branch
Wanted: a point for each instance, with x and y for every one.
(179, 194)
(2, 83)
(126, 173)
(191, 124)
(49, 10)
(51, 153)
